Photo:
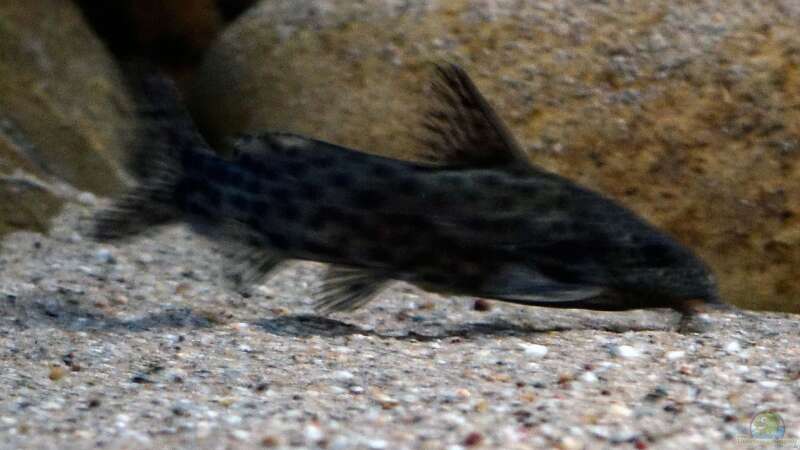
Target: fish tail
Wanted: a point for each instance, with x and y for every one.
(167, 143)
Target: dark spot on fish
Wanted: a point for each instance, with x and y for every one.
(568, 251)
(332, 214)
(323, 162)
(355, 287)
(184, 190)
(518, 171)
(192, 161)
(239, 202)
(341, 180)
(505, 202)
(561, 200)
(509, 225)
(175, 137)
(195, 208)
(328, 215)
(240, 155)
(478, 223)
(316, 221)
(291, 152)
(296, 169)
(580, 229)
(236, 179)
(280, 194)
(218, 173)
(368, 229)
(407, 226)
(657, 254)
(489, 179)
(408, 186)
(434, 278)
(379, 254)
(527, 189)
(244, 159)
(318, 248)
(560, 271)
(254, 240)
(269, 172)
(290, 211)
(252, 185)
(453, 181)
(246, 138)
(277, 241)
(472, 195)
(383, 170)
(268, 141)
(257, 167)
(438, 199)
(259, 208)
(214, 197)
(637, 239)
(253, 222)
(310, 191)
(368, 198)
(559, 227)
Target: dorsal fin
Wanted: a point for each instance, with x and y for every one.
(462, 128)
(166, 130)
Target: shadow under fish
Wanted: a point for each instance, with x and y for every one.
(480, 219)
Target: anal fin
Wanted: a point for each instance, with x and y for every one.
(551, 297)
(348, 289)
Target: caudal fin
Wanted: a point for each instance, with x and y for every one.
(138, 210)
(167, 138)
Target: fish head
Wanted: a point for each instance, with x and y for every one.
(663, 273)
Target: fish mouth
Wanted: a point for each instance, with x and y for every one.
(703, 305)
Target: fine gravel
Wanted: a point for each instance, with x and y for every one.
(139, 345)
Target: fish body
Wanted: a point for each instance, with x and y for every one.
(482, 221)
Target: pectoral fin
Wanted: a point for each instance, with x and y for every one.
(568, 295)
(347, 289)
(517, 284)
(248, 266)
(247, 260)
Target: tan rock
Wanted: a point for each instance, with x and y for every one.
(25, 201)
(685, 111)
(63, 113)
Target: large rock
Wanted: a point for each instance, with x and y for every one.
(64, 115)
(685, 111)
(24, 202)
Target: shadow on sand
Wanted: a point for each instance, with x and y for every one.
(303, 325)
(69, 313)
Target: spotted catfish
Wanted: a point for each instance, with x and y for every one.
(481, 221)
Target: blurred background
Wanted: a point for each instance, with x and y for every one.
(686, 111)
